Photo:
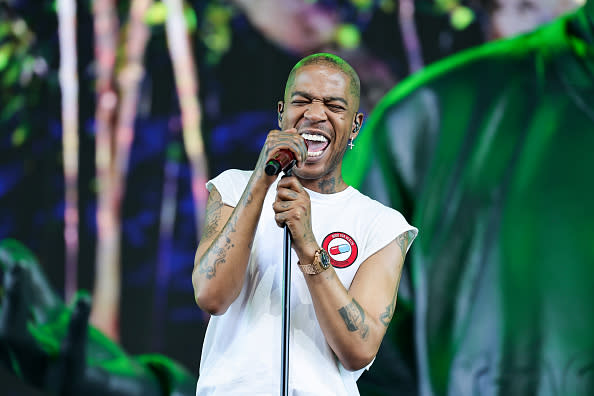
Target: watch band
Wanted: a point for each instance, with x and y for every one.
(315, 267)
(309, 269)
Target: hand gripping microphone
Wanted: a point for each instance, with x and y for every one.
(283, 160)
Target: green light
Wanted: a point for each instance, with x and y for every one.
(13, 73)
(5, 52)
(174, 152)
(191, 20)
(447, 5)
(218, 15)
(348, 36)
(218, 41)
(461, 17)
(387, 6)
(362, 4)
(4, 29)
(11, 108)
(19, 136)
(156, 14)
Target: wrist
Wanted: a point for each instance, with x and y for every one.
(318, 264)
(260, 181)
(306, 253)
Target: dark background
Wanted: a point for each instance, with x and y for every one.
(239, 89)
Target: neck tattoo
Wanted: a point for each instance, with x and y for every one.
(327, 186)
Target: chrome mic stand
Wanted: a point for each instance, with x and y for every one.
(273, 167)
(286, 307)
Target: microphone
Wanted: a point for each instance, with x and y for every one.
(283, 160)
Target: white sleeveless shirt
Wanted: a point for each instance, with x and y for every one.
(241, 354)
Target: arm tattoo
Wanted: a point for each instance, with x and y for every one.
(403, 241)
(249, 198)
(354, 318)
(386, 317)
(208, 265)
(210, 269)
(213, 213)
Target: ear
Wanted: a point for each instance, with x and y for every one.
(357, 123)
(280, 108)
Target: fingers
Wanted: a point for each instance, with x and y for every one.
(289, 189)
(291, 216)
(285, 194)
(282, 211)
(285, 200)
(281, 206)
(288, 139)
(280, 219)
(291, 203)
(291, 183)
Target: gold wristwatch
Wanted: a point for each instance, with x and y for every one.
(321, 263)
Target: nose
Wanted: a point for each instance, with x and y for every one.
(315, 112)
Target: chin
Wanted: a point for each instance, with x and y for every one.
(306, 174)
(308, 171)
(312, 171)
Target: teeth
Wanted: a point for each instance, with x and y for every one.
(316, 138)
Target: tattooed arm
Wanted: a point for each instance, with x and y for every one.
(354, 322)
(223, 253)
(221, 261)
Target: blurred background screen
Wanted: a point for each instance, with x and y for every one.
(115, 113)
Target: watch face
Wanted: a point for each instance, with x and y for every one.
(324, 259)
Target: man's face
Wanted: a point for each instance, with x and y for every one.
(322, 109)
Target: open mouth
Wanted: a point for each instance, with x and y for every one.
(316, 144)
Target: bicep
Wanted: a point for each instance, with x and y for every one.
(375, 285)
(216, 216)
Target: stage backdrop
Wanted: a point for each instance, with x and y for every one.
(114, 114)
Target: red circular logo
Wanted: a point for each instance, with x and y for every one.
(341, 248)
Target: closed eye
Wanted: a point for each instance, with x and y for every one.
(335, 107)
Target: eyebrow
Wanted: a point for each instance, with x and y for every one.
(326, 99)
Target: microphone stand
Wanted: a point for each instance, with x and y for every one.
(284, 160)
(286, 307)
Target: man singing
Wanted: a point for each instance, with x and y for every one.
(348, 252)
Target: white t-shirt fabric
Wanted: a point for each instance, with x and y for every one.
(241, 354)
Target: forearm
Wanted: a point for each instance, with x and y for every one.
(349, 330)
(351, 333)
(219, 269)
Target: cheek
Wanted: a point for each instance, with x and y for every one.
(337, 155)
(340, 125)
(290, 118)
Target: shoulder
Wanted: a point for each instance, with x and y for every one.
(230, 184)
(234, 176)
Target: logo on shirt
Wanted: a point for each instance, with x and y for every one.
(341, 248)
